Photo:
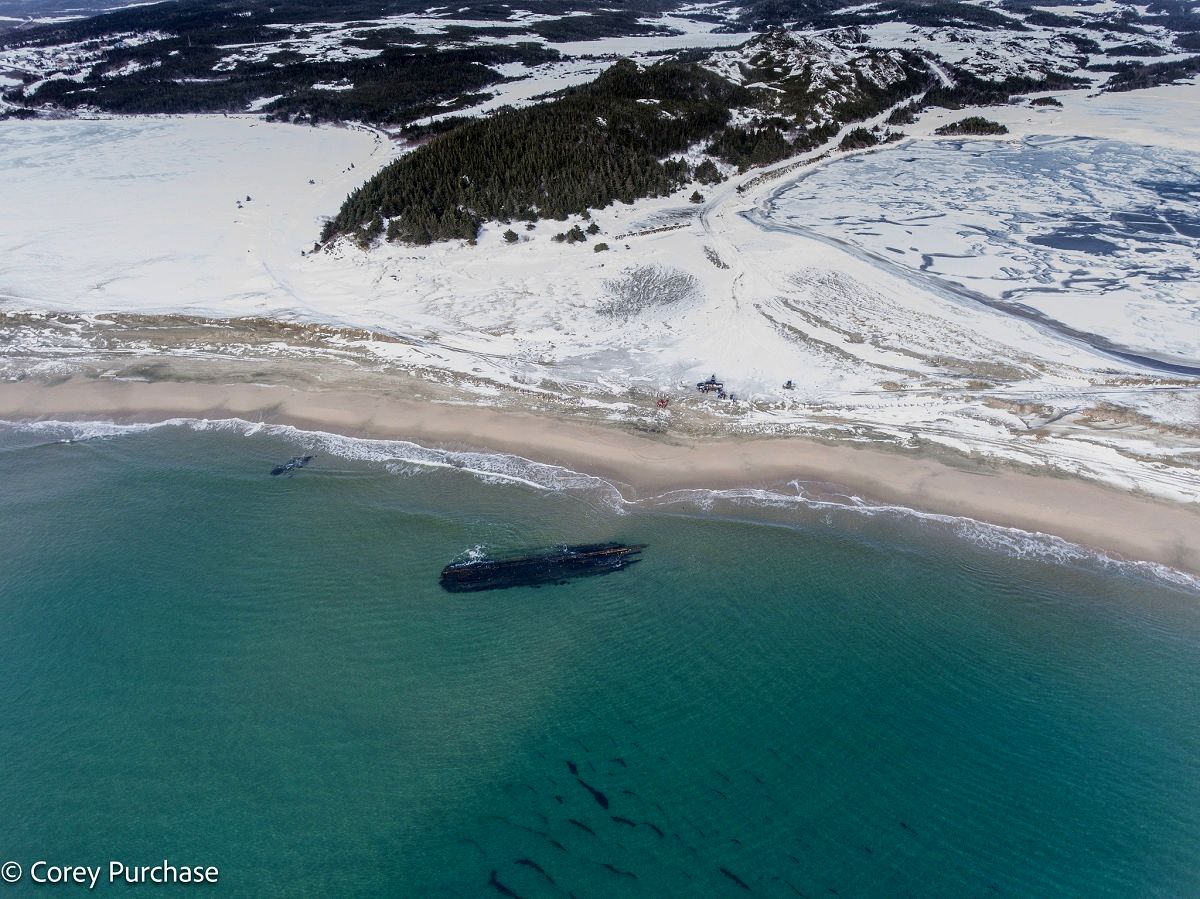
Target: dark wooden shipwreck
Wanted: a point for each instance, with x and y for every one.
(291, 466)
(555, 565)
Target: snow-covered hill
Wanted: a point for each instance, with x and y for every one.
(923, 314)
(875, 352)
(309, 61)
(820, 78)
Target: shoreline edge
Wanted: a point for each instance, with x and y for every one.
(1094, 515)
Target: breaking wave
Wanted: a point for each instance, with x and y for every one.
(404, 458)
(1008, 541)
(399, 457)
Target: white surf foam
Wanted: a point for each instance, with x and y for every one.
(399, 457)
(409, 459)
(1008, 541)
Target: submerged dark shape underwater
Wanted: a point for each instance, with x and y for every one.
(291, 466)
(819, 707)
(555, 565)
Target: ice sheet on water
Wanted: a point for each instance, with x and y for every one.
(1101, 235)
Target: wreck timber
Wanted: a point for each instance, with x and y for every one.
(555, 565)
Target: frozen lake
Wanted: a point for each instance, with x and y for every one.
(1098, 237)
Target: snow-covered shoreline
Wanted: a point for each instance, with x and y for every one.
(149, 217)
(636, 466)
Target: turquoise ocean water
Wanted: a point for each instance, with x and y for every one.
(203, 663)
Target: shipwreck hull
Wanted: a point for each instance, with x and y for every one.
(555, 565)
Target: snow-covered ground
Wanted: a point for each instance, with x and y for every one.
(151, 215)
(581, 60)
(1101, 236)
(72, 60)
(324, 42)
(1163, 117)
(1016, 46)
(584, 60)
(1034, 50)
(168, 213)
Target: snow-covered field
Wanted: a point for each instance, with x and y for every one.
(151, 215)
(1163, 117)
(168, 213)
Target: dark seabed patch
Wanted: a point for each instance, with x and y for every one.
(796, 710)
(530, 863)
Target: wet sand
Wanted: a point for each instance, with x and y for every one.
(645, 464)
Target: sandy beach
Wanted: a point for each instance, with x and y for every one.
(646, 464)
